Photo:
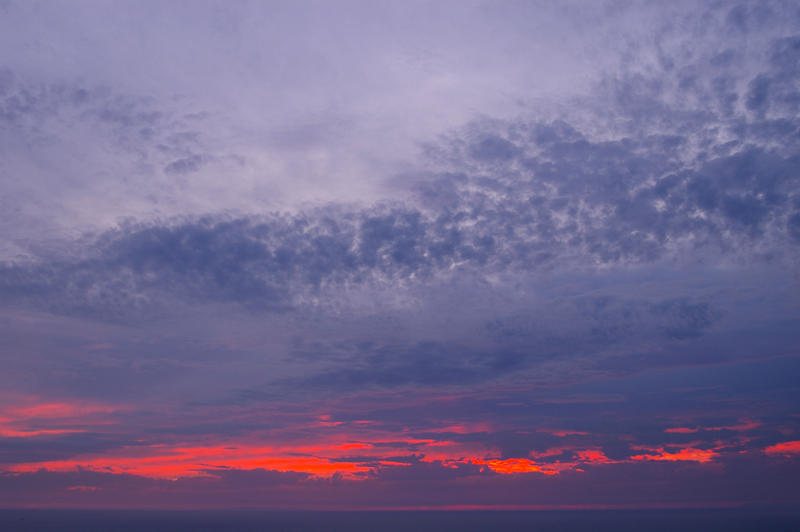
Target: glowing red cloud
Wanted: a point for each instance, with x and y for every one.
(30, 418)
(351, 446)
(689, 454)
(516, 465)
(594, 456)
(317, 445)
(199, 461)
(14, 433)
(787, 447)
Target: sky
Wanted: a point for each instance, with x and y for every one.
(399, 255)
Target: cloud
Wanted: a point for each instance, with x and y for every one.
(54, 447)
(579, 202)
(640, 484)
(184, 165)
(786, 448)
(648, 173)
(423, 364)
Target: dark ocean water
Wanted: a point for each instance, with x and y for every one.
(493, 521)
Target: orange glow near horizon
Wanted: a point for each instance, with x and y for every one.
(162, 461)
(316, 445)
(201, 461)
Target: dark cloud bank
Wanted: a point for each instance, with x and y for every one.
(552, 198)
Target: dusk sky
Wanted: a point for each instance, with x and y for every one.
(399, 254)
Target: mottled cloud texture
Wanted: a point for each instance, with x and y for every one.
(372, 255)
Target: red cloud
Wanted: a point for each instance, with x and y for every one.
(689, 454)
(787, 447)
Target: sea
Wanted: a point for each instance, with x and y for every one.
(694, 520)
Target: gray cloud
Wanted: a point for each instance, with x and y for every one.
(576, 202)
